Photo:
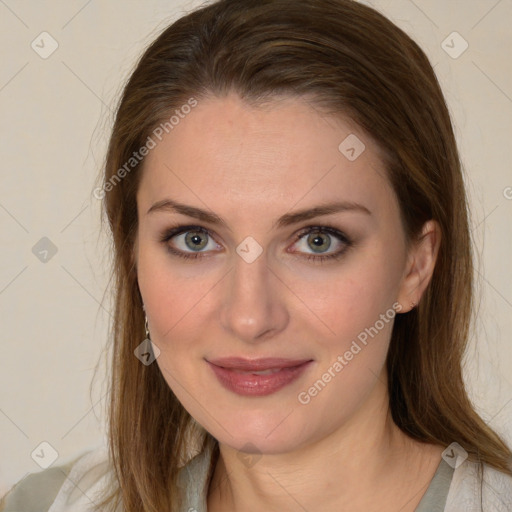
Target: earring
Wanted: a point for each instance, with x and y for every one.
(147, 351)
(146, 328)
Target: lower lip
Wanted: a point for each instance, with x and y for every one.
(249, 384)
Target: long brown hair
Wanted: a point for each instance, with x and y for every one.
(346, 59)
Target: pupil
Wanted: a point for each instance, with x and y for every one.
(195, 240)
(319, 242)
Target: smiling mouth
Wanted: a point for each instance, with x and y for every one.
(258, 377)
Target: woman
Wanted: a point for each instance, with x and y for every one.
(293, 276)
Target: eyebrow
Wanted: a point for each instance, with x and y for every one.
(169, 205)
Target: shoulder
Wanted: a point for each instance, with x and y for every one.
(474, 486)
(497, 489)
(56, 487)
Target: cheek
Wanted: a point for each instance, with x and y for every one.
(353, 295)
(175, 297)
(356, 305)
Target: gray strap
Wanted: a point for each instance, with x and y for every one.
(434, 500)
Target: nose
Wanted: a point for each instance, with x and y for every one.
(254, 306)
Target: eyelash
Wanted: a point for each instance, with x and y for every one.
(180, 229)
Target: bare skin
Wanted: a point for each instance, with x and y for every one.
(369, 467)
(336, 449)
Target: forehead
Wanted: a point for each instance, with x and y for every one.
(228, 153)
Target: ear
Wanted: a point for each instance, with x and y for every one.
(420, 266)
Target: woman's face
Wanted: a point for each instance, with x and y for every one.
(243, 277)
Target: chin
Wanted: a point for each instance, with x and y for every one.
(247, 442)
(260, 433)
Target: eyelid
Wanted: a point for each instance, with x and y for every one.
(322, 228)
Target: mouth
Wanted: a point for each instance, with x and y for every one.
(256, 365)
(257, 377)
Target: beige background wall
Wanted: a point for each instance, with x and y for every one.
(55, 116)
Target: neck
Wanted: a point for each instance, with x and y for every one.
(367, 460)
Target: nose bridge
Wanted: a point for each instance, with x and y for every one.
(253, 305)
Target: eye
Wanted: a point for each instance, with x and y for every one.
(188, 241)
(319, 240)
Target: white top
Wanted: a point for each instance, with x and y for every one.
(88, 475)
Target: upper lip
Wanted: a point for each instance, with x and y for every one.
(267, 363)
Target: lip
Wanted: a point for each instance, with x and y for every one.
(234, 373)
